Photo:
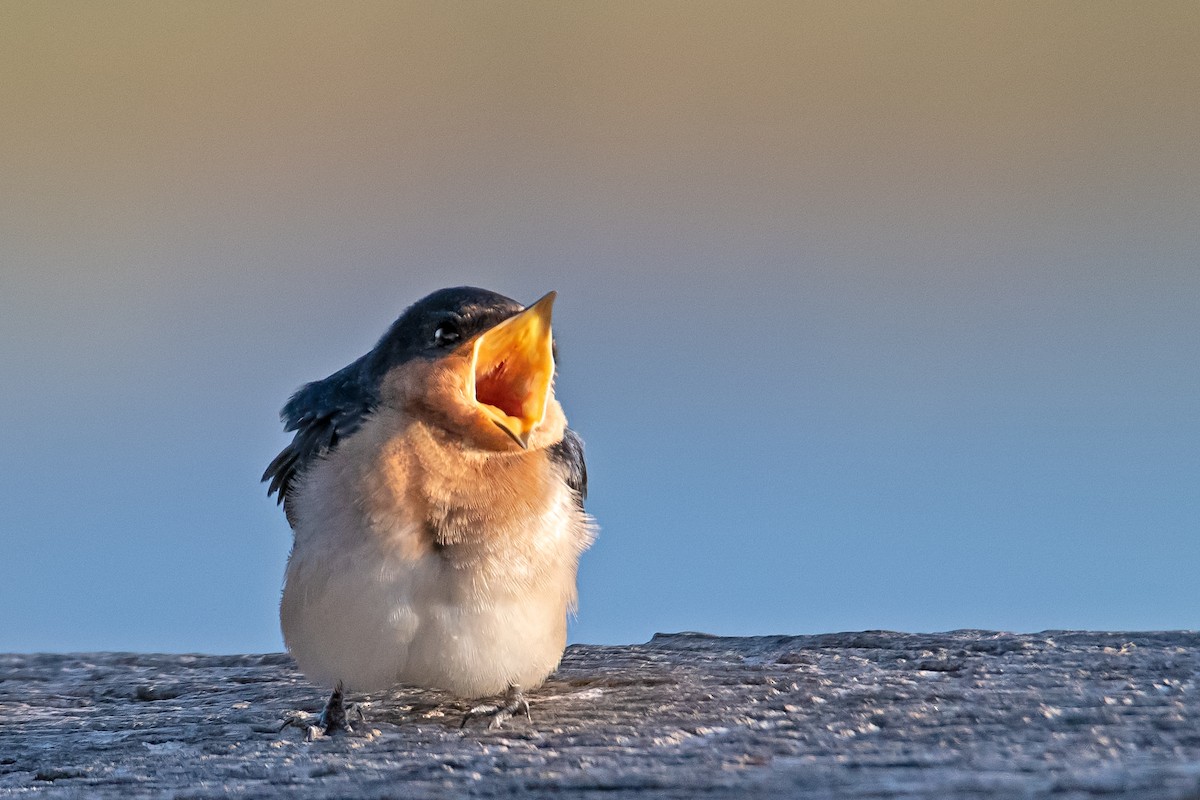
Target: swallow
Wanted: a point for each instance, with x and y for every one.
(436, 498)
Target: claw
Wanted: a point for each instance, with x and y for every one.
(512, 703)
(295, 719)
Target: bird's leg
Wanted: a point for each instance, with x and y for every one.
(334, 717)
(510, 705)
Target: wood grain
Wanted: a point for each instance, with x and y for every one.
(977, 714)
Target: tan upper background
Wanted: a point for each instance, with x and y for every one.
(872, 314)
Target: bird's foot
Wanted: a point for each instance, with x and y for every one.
(333, 718)
(510, 705)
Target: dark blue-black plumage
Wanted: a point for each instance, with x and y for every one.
(325, 412)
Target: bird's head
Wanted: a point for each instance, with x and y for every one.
(475, 364)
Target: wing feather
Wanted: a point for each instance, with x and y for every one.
(322, 413)
(569, 454)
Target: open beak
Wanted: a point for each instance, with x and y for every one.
(512, 369)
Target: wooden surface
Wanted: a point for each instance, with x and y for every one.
(881, 715)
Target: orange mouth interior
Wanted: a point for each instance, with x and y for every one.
(497, 388)
(513, 368)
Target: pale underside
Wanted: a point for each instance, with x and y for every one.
(419, 562)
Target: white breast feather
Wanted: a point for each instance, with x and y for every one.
(364, 605)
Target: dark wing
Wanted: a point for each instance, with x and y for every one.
(569, 453)
(322, 413)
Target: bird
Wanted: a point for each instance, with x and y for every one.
(436, 499)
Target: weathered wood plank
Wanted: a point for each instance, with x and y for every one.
(875, 714)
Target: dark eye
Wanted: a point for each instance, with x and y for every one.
(445, 334)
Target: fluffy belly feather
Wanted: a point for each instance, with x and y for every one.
(373, 597)
(373, 621)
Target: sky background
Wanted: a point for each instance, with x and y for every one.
(872, 315)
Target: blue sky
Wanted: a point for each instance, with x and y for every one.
(872, 316)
